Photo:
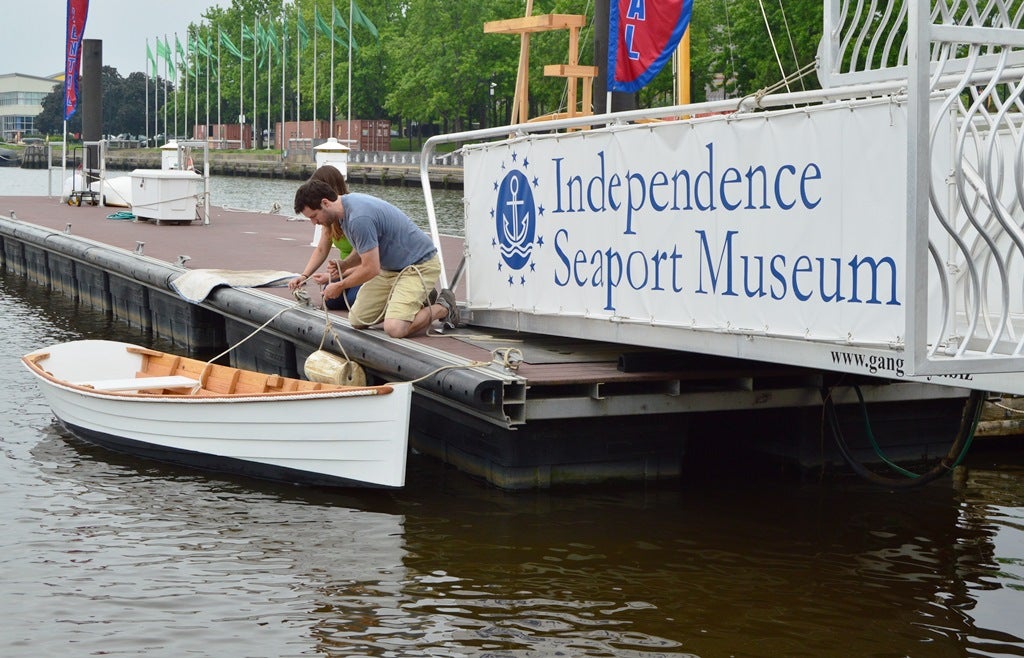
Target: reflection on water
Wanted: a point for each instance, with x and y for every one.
(156, 548)
(107, 554)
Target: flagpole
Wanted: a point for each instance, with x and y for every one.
(156, 98)
(175, 86)
(314, 77)
(348, 129)
(195, 89)
(206, 127)
(255, 112)
(147, 92)
(298, 81)
(166, 73)
(270, 74)
(184, 65)
(284, 71)
(220, 124)
(332, 69)
(241, 82)
(63, 162)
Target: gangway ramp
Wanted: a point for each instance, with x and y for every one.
(872, 227)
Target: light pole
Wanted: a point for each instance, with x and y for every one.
(494, 110)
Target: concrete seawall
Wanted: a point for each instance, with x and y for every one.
(273, 165)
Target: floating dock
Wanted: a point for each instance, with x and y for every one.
(646, 286)
(546, 411)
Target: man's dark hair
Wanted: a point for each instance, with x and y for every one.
(311, 193)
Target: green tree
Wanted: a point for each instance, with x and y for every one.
(441, 64)
(734, 47)
(127, 106)
(51, 120)
(123, 99)
(431, 63)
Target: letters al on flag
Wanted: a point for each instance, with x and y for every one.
(642, 34)
(78, 10)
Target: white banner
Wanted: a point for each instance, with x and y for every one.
(793, 227)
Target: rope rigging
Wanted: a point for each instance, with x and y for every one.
(771, 38)
(785, 81)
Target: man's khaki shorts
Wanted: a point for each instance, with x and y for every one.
(395, 295)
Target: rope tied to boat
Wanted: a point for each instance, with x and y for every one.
(329, 328)
(205, 373)
(510, 357)
(325, 367)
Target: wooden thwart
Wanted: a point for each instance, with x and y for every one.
(141, 383)
(216, 379)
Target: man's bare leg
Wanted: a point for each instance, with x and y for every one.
(402, 328)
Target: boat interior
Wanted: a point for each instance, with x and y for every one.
(161, 373)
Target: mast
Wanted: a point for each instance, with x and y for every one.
(682, 72)
(605, 101)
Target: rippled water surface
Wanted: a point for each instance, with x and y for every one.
(103, 554)
(263, 195)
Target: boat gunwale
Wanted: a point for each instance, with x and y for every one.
(33, 361)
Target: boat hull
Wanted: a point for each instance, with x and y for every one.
(214, 463)
(312, 437)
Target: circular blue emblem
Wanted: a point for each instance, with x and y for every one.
(516, 220)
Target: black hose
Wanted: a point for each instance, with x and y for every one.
(957, 451)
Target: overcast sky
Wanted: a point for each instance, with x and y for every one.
(34, 36)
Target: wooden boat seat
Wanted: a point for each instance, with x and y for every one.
(141, 383)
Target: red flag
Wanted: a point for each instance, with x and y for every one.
(77, 12)
(642, 34)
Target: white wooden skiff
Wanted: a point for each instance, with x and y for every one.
(186, 411)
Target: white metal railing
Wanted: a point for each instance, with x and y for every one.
(409, 158)
(966, 199)
(868, 40)
(962, 62)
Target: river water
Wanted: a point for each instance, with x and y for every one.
(104, 554)
(264, 194)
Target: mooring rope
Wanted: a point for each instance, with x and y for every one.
(511, 357)
(209, 364)
(997, 403)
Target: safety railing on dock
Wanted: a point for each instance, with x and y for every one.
(402, 158)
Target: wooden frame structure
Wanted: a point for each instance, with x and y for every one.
(573, 72)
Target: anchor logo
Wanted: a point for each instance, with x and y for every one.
(516, 220)
(515, 216)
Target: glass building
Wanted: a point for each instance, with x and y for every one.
(21, 101)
